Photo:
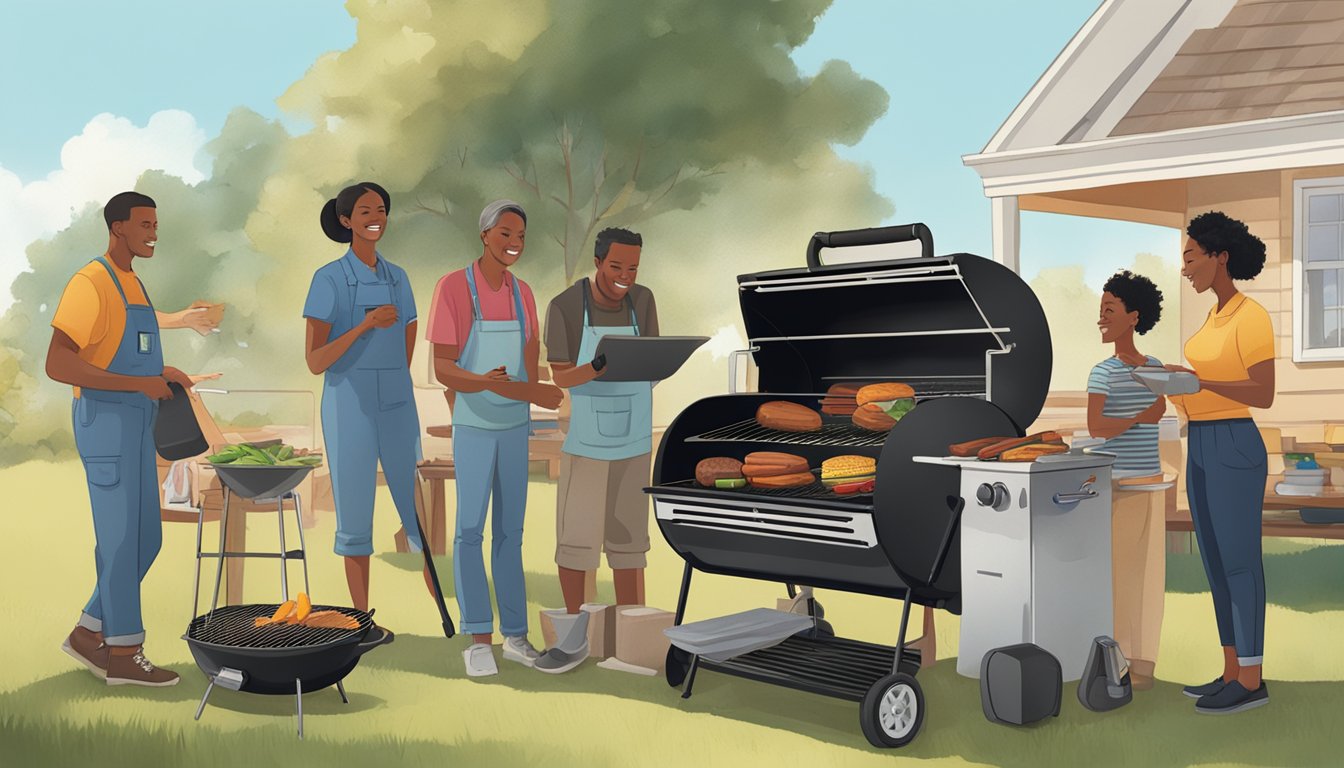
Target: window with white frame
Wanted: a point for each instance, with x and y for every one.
(1318, 270)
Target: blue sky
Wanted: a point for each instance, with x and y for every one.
(954, 70)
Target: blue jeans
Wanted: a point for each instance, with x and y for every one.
(114, 435)
(1225, 478)
(490, 462)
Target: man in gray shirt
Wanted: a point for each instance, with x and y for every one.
(604, 464)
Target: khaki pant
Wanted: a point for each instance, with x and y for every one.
(1139, 574)
(601, 506)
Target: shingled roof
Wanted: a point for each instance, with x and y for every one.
(1268, 58)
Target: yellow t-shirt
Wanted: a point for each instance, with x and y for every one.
(91, 312)
(1224, 349)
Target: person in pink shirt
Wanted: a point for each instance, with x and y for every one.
(483, 325)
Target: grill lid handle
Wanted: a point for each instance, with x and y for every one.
(873, 236)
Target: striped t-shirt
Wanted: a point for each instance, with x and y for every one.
(1135, 449)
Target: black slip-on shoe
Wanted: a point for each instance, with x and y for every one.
(1207, 689)
(1233, 698)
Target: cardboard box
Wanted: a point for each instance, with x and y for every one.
(639, 636)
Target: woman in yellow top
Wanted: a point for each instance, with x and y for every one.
(1233, 355)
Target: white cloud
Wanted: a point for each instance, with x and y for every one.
(105, 158)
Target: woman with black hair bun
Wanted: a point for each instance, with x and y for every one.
(361, 337)
(1226, 466)
(1126, 413)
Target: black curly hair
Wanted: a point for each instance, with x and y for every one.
(1216, 232)
(1138, 294)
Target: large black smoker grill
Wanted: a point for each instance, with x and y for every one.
(970, 336)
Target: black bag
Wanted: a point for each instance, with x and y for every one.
(177, 434)
(1020, 684)
(1105, 682)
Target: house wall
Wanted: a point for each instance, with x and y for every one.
(1308, 394)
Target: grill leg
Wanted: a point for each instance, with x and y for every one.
(685, 593)
(900, 640)
(298, 518)
(284, 566)
(340, 688)
(223, 534)
(690, 676)
(196, 584)
(205, 698)
(298, 697)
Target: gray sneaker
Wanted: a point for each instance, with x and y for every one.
(519, 650)
(1207, 689)
(555, 661)
(1233, 698)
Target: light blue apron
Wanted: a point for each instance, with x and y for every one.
(490, 344)
(369, 415)
(490, 452)
(114, 432)
(609, 420)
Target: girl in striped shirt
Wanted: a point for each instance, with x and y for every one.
(1125, 413)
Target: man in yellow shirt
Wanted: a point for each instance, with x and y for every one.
(105, 342)
(1233, 356)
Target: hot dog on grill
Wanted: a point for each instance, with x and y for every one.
(995, 450)
(1033, 452)
(793, 480)
(971, 447)
(772, 464)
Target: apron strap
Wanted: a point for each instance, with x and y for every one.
(629, 302)
(471, 289)
(112, 274)
(522, 326)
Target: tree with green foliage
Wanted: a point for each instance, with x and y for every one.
(686, 120)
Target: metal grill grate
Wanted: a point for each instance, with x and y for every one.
(232, 626)
(833, 434)
(814, 491)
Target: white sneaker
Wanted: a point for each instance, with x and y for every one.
(480, 660)
(520, 650)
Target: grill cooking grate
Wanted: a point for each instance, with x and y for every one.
(232, 626)
(833, 434)
(814, 491)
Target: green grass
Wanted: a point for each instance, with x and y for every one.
(410, 703)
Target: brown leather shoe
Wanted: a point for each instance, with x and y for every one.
(87, 648)
(135, 669)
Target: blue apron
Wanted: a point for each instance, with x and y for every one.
(114, 432)
(490, 344)
(490, 452)
(608, 420)
(369, 414)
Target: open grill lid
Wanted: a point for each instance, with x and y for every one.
(946, 325)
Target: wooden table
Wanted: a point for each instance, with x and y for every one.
(433, 515)
(1281, 518)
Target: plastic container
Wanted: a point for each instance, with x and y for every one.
(1164, 382)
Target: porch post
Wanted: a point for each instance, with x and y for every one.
(1005, 224)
